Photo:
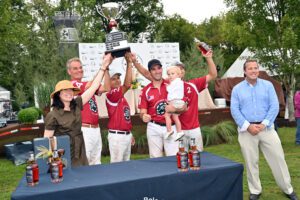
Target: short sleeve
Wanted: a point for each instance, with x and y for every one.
(50, 121)
(200, 83)
(143, 103)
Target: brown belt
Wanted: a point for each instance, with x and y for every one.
(90, 125)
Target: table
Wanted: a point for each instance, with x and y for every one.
(149, 179)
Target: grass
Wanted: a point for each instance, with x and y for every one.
(10, 175)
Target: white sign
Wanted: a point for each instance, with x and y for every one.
(91, 57)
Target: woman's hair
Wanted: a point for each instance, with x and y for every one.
(57, 103)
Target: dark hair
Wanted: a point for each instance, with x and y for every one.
(152, 63)
(57, 103)
(248, 61)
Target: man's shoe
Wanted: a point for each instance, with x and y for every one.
(254, 196)
(292, 196)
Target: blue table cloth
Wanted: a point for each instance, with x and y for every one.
(155, 179)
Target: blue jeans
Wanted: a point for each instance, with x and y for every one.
(298, 131)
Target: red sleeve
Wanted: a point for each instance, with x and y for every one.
(200, 83)
(143, 103)
(115, 94)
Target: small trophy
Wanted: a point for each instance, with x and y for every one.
(116, 41)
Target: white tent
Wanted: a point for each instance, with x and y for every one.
(236, 69)
(4, 94)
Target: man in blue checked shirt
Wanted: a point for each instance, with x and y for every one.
(254, 107)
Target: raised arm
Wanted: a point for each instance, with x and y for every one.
(212, 70)
(128, 77)
(106, 86)
(142, 70)
(87, 95)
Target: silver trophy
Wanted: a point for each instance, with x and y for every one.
(116, 41)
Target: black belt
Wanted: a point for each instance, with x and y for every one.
(161, 124)
(120, 132)
(255, 122)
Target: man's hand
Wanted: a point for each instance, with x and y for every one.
(146, 118)
(261, 127)
(253, 129)
(107, 60)
(208, 54)
(132, 57)
(132, 141)
(128, 57)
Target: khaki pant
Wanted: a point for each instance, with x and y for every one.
(93, 144)
(270, 145)
(193, 133)
(119, 147)
(156, 142)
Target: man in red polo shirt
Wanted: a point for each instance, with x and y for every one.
(120, 138)
(90, 124)
(153, 100)
(189, 119)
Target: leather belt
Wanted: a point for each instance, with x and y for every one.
(120, 132)
(90, 125)
(255, 122)
(161, 124)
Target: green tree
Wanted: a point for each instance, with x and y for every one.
(272, 29)
(176, 29)
(14, 34)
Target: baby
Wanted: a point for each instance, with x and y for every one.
(175, 96)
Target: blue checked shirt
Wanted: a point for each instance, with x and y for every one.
(254, 103)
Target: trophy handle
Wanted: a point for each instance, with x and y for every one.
(100, 11)
(120, 10)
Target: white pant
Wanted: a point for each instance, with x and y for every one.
(157, 143)
(193, 133)
(119, 147)
(270, 145)
(93, 144)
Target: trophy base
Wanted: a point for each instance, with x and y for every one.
(118, 52)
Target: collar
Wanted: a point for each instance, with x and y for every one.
(164, 82)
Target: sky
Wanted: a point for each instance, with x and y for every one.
(194, 10)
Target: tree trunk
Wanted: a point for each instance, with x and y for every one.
(290, 102)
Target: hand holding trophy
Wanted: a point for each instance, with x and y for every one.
(116, 41)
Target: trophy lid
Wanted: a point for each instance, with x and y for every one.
(111, 10)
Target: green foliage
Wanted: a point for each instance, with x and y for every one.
(40, 112)
(223, 132)
(28, 115)
(271, 29)
(43, 91)
(176, 29)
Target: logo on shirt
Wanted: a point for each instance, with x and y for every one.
(160, 108)
(126, 113)
(77, 84)
(149, 98)
(93, 106)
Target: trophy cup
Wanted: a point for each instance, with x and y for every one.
(116, 41)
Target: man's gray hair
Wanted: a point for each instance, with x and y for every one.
(75, 59)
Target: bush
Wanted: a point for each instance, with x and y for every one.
(223, 132)
(28, 115)
(39, 111)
